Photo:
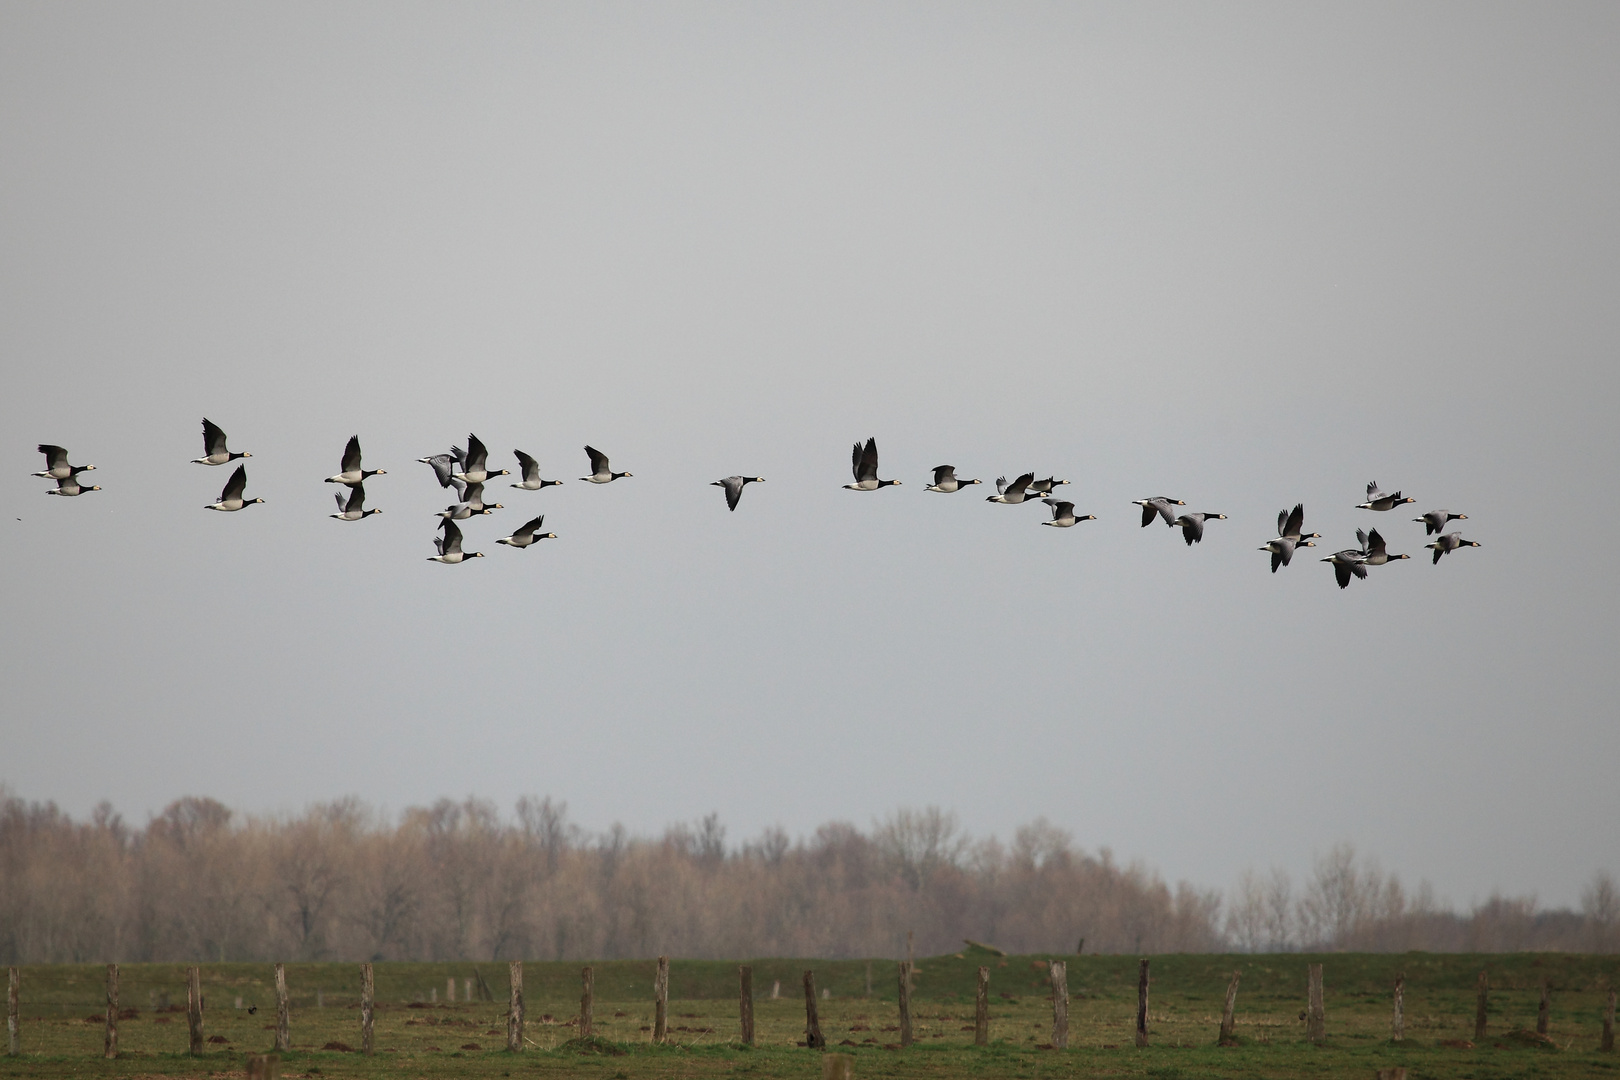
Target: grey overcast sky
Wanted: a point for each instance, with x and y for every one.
(1241, 254)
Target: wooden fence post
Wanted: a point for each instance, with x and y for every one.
(514, 1008)
(587, 1000)
(745, 1003)
(263, 1067)
(905, 1003)
(13, 1004)
(1397, 1025)
(1606, 1045)
(837, 1067)
(812, 1023)
(1059, 973)
(194, 1009)
(450, 989)
(1315, 1010)
(283, 1019)
(1228, 1021)
(1142, 1004)
(109, 1047)
(661, 1001)
(1479, 1009)
(367, 1008)
(981, 1010)
(1544, 1013)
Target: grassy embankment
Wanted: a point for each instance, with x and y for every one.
(468, 1038)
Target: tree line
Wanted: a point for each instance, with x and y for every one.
(457, 881)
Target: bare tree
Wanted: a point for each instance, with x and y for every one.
(1280, 911)
(1246, 913)
(1600, 904)
(919, 843)
(455, 880)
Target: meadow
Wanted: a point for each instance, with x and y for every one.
(417, 1036)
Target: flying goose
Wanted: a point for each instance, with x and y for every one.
(444, 465)
(1291, 523)
(527, 535)
(1447, 543)
(56, 464)
(1434, 521)
(449, 546)
(1282, 550)
(473, 495)
(1045, 487)
(1377, 500)
(946, 481)
(531, 473)
(352, 473)
(355, 508)
(1192, 526)
(864, 464)
(474, 467)
(462, 511)
(1347, 562)
(1063, 514)
(1158, 506)
(70, 486)
(214, 451)
(1374, 549)
(601, 471)
(231, 497)
(1290, 536)
(734, 486)
(1014, 493)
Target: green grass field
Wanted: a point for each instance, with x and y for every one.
(419, 1038)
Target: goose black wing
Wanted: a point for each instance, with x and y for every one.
(235, 485)
(357, 499)
(866, 461)
(477, 454)
(1149, 512)
(213, 438)
(1295, 524)
(599, 461)
(1375, 544)
(1192, 528)
(531, 527)
(55, 456)
(733, 486)
(451, 542)
(1019, 485)
(529, 467)
(943, 473)
(1341, 574)
(351, 455)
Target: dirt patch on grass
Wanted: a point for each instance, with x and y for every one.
(592, 1044)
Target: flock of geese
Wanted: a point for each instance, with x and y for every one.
(467, 470)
